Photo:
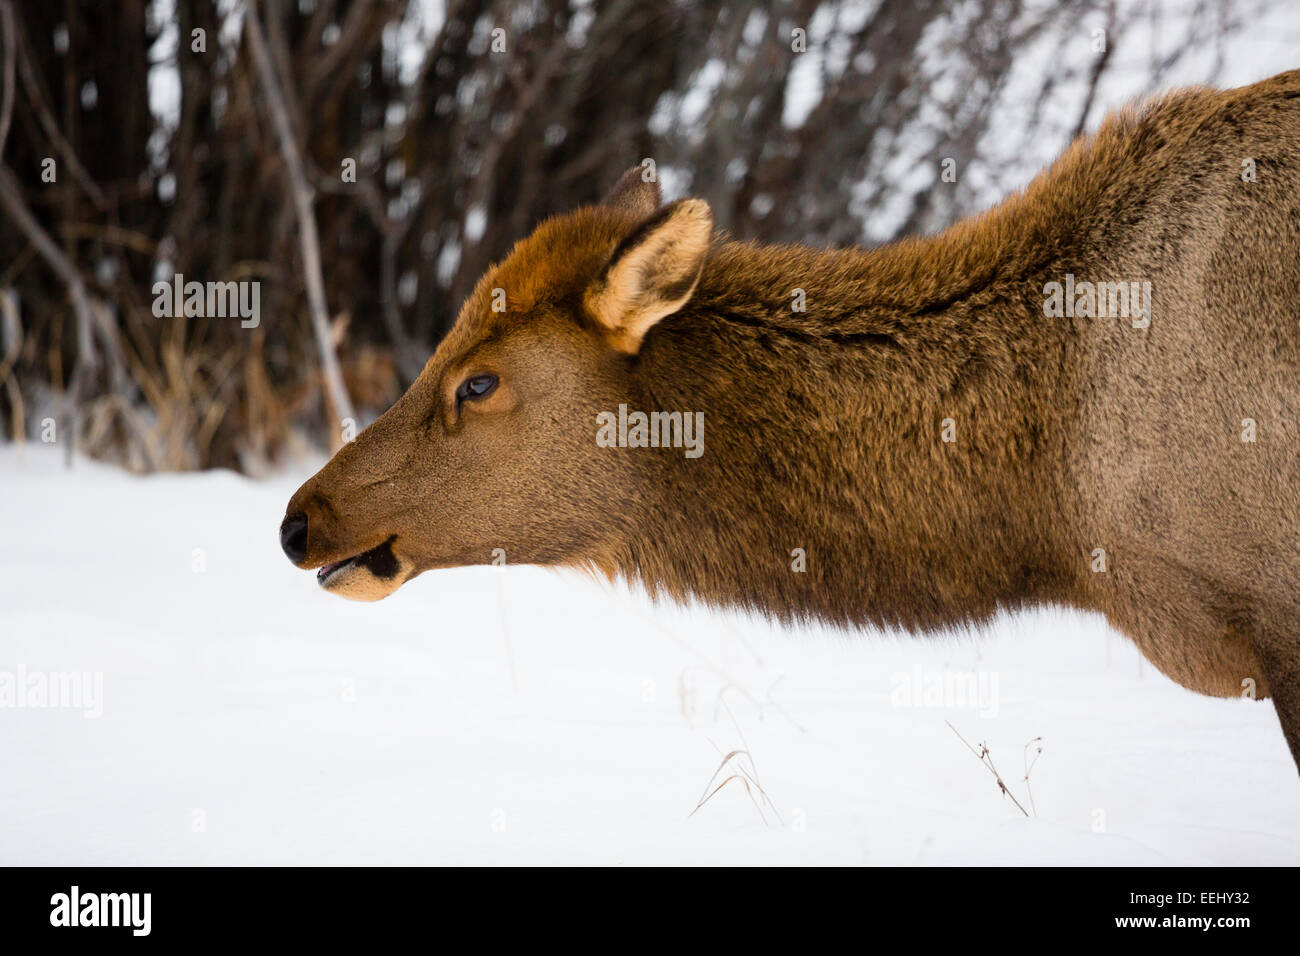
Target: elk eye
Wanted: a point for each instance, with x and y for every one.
(476, 386)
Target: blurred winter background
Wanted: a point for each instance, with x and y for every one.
(519, 715)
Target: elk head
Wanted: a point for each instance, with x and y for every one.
(493, 448)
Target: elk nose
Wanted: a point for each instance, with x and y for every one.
(293, 537)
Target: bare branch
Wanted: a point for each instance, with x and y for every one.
(7, 105)
(302, 198)
(12, 202)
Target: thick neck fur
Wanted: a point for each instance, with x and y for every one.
(827, 412)
(825, 432)
(826, 426)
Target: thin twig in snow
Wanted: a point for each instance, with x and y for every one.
(1029, 766)
(983, 756)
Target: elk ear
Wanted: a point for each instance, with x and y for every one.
(633, 194)
(652, 273)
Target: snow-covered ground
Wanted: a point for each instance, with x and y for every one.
(525, 716)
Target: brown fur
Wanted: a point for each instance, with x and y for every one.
(824, 427)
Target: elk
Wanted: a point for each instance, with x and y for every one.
(914, 436)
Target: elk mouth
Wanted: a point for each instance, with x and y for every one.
(379, 562)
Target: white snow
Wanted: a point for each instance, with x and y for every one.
(526, 716)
